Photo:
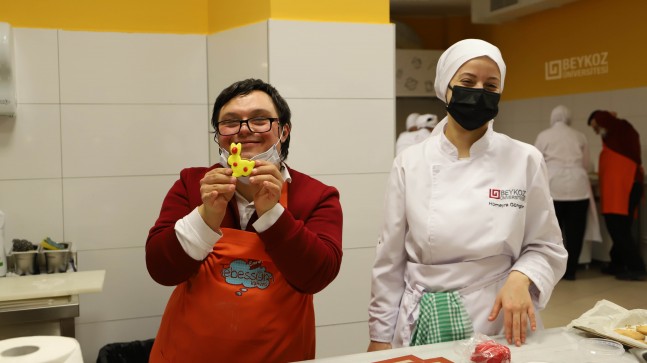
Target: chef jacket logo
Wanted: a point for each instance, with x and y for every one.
(249, 274)
(502, 194)
(580, 66)
(508, 198)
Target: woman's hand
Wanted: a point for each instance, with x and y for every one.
(267, 178)
(375, 346)
(518, 310)
(216, 189)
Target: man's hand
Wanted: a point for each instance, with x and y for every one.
(216, 189)
(267, 178)
(514, 299)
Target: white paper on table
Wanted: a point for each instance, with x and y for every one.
(606, 316)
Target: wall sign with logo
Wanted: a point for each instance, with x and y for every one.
(415, 72)
(586, 65)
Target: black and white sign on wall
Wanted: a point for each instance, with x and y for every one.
(415, 72)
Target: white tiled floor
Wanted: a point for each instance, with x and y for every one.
(571, 299)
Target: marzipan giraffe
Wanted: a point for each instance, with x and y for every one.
(240, 166)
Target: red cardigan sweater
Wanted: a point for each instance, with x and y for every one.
(304, 243)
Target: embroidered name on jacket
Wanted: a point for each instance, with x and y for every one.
(505, 198)
(249, 274)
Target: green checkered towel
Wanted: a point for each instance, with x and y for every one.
(442, 318)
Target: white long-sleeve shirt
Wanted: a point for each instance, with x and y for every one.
(462, 225)
(566, 152)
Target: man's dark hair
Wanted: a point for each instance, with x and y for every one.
(592, 116)
(245, 87)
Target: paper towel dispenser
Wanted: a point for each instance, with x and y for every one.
(7, 72)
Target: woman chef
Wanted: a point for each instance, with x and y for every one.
(470, 241)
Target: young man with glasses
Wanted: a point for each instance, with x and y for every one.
(244, 261)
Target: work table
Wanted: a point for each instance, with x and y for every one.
(549, 345)
(46, 297)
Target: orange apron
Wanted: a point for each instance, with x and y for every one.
(236, 308)
(617, 176)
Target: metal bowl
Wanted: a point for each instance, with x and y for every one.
(25, 262)
(57, 260)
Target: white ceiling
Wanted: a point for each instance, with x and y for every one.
(430, 7)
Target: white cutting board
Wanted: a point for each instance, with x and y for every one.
(50, 285)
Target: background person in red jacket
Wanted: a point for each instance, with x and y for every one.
(246, 254)
(621, 187)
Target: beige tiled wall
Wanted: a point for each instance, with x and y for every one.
(106, 121)
(524, 119)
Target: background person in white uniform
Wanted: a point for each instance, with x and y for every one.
(468, 211)
(427, 122)
(423, 125)
(407, 137)
(567, 156)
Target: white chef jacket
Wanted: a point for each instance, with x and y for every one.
(462, 225)
(409, 138)
(566, 152)
(567, 156)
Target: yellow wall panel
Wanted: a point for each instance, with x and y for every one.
(182, 16)
(585, 46)
(588, 46)
(224, 14)
(353, 11)
(159, 16)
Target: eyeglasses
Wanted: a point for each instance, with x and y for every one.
(256, 124)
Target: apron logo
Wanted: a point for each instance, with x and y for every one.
(495, 193)
(249, 274)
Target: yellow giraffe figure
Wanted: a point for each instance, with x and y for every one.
(240, 166)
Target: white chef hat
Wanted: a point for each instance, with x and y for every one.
(427, 120)
(560, 114)
(457, 55)
(421, 121)
(432, 121)
(411, 120)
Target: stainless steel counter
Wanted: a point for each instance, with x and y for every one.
(46, 298)
(59, 309)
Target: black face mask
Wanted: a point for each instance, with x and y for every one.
(473, 107)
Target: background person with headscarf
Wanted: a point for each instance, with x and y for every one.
(567, 156)
(621, 178)
(470, 241)
(406, 137)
